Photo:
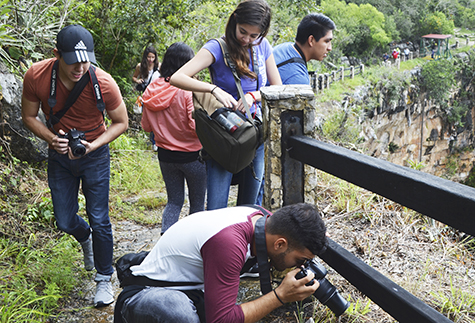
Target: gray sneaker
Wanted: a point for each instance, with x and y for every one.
(88, 253)
(104, 293)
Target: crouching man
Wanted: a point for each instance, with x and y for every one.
(207, 251)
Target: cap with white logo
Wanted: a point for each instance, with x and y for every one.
(75, 44)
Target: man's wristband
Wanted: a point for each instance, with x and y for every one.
(278, 297)
(213, 89)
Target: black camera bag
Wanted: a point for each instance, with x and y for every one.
(233, 151)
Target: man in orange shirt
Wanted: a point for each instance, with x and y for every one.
(78, 143)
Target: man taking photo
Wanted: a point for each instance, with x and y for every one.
(206, 251)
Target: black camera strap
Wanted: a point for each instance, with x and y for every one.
(73, 95)
(261, 254)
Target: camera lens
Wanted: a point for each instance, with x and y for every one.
(328, 295)
(79, 150)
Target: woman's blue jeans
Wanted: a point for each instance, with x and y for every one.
(249, 181)
(64, 178)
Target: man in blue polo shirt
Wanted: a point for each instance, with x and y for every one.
(313, 41)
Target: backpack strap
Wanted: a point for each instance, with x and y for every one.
(301, 60)
(292, 60)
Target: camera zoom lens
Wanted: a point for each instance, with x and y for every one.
(328, 295)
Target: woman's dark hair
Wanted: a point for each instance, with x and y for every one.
(177, 55)
(144, 62)
(314, 24)
(301, 225)
(250, 12)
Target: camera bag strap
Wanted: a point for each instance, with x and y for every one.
(90, 75)
(229, 62)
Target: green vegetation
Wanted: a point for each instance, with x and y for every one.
(362, 33)
(35, 275)
(135, 172)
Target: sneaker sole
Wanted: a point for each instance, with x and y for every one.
(103, 304)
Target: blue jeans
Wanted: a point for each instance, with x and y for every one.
(64, 178)
(159, 305)
(249, 181)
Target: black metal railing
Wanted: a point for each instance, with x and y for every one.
(446, 201)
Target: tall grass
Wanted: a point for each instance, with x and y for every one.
(135, 172)
(35, 274)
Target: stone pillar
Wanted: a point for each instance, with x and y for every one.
(287, 110)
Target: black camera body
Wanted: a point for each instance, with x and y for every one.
(326, 293)
(75, 136)
(141, 87)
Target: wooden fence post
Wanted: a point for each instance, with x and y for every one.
(352, 72)
(287, 110)
(342, 69)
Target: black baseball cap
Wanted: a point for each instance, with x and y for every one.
(75, 44)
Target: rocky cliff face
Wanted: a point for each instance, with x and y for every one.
(412, 131)
(23, 144)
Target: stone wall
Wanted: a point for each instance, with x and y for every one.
(276, 101)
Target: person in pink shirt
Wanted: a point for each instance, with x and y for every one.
(167, 112)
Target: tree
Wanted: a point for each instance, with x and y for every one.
(361, 29)
(437, 23)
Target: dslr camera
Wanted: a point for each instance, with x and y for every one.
(326, 293)
(75, 136)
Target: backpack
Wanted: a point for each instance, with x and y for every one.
(122, 266)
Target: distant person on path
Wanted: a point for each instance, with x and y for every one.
(245, 31)
(200, 259)
(167, 113)
(385, 57)
(145, 72)
(406, 53)
(395, 54)
(313, 41)
(67, 169)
